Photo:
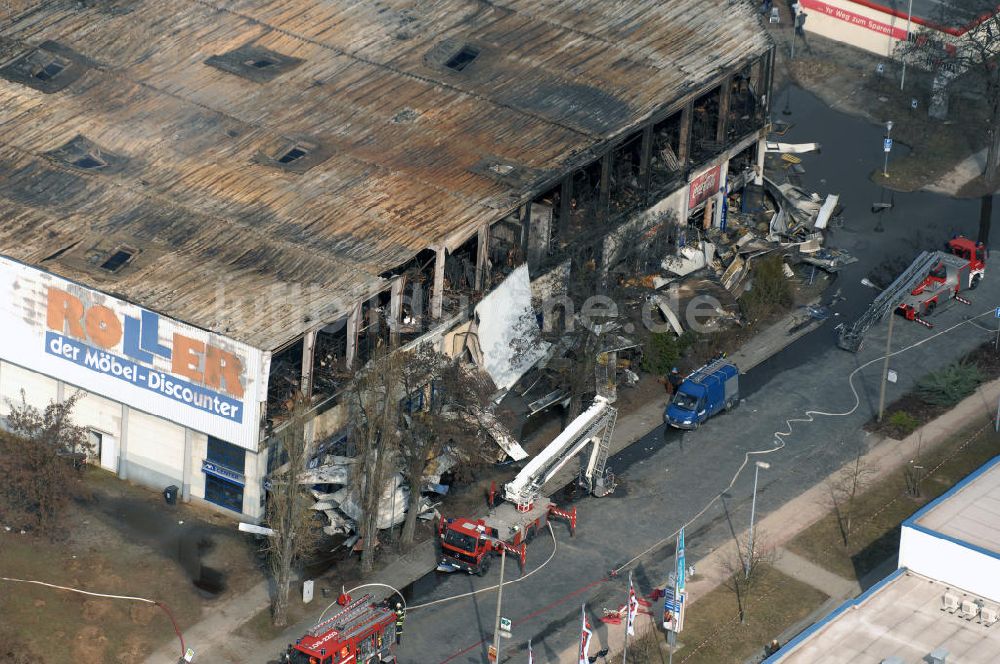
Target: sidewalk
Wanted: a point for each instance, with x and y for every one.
(212, 637)
(887, 456)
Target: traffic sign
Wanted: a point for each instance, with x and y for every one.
(492, 654)
(505, 623)
(996, 314)
(887, 144)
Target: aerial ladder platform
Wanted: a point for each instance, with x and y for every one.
(593, 427)
(851, 337)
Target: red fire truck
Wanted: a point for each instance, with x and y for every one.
(360, 633)
(468, 544)
(961, 268)
(932, 279)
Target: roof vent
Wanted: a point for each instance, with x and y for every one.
(49, 68)
(463, 58)
(255, 63)
(82, 153)
(938, 656)
(293, 154)
(297, 155)
(118, 259)
(504, 170)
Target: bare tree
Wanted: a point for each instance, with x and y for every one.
(288, 511)
(973, 60)
(375, 396)
(445, 401)
(745, 567)
(844, 488)
(38, 460)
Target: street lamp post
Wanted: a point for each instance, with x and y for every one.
(885, 368)
(909, 21)
(496, 624)
(753, 511)
(888, 137)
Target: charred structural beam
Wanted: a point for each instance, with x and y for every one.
(644, 159)
(395, 308)
(684, 139)
(437, 297)
(482, 257)
(308, 359)
(353, 325)
(725, 95)
(603, 203)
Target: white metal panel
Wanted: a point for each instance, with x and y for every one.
(155, 443)
(114, 348)
(39, 390)
(95, 412)
(109, 452)
(950, 563)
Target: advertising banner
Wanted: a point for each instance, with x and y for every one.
(855, 19)
(703, 187)
(121, 351)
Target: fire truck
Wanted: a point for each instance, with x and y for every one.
(931, 280)
(360, 633)
(469, 544)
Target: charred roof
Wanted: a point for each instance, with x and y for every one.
(302, 149)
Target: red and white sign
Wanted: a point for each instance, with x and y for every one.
(854, 19)
(703, 187)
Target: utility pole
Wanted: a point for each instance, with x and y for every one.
(496, 624)
(909, 20)
(885, 368)
(886, 147)
(753, 509)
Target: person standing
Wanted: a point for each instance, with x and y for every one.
(399, 623)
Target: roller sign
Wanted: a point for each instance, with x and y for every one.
(119, 350)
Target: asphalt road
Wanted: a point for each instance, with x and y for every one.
(668, 477)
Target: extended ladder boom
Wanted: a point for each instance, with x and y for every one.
(852, 336)
(593, 426)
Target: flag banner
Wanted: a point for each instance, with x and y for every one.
(585, 634)
(531, 657)
(633, 608)
(681, 561)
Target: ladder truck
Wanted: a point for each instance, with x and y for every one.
(469, 544)
(931, 280)
(360, 633)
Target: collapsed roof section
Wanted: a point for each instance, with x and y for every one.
(498, 98)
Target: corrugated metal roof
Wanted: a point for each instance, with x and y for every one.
(396, 135)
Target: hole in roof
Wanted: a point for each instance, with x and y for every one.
(293, 154)
(121, 257)
(89, 162)
(50, 67)
(463, 58)
(253, 62)
(50, 70)
(260, 63)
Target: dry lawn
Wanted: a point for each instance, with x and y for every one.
(880, 510)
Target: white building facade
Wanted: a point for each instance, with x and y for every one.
(163, 403)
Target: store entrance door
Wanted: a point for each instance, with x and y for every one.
(105, 449)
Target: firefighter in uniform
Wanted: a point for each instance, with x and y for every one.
(399, 623)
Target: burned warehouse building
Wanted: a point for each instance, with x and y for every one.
(209, 209)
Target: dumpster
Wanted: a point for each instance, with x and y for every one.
(170, 494)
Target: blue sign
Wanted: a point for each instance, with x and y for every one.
(110, 364)
(887, 144)
(670, 603)
(997, 312)
(223, 473)
(681, 561)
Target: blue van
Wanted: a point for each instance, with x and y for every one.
(708, 390)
